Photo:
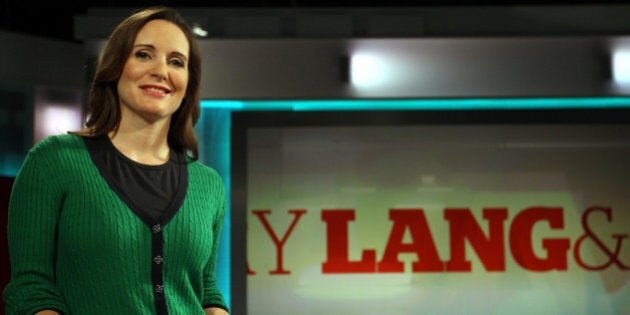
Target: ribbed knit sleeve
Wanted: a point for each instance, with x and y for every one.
(212, 295)
(34, 208)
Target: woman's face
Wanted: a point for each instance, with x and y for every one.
(155, 76)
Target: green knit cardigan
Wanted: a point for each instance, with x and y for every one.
(77, 247)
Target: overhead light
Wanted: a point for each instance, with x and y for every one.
(199, 31)
(621, 66)
(367, 70)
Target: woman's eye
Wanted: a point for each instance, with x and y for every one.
(142, 54)
(177, 63)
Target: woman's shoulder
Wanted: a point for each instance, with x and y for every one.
(54, 155)
(198, 171)
(56, 144)
(195, 166)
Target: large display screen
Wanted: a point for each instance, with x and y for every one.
(518, 212)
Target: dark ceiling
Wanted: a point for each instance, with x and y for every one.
(54, 19)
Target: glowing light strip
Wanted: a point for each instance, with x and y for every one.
(422, 104)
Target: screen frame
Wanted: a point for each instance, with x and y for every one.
(243, 121)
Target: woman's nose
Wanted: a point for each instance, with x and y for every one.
(160, 70)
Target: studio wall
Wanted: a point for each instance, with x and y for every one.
(420, 65)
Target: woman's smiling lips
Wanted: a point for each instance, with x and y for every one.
(155, 90)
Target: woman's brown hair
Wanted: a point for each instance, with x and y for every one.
(103, 113)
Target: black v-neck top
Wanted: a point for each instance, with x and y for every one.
(151, 188)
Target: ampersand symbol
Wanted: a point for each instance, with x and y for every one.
(613, 256)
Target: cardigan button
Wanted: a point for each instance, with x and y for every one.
(159, 289)
(156, 228)
(158, 259)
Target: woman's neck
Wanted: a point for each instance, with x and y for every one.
(145, 144)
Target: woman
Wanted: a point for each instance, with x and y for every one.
(120, 218)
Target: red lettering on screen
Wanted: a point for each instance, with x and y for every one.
(521, 242)
(279, 243)
(337, 245)
(490, 249)
(613, 255)
(487, 237)
(422, 243)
